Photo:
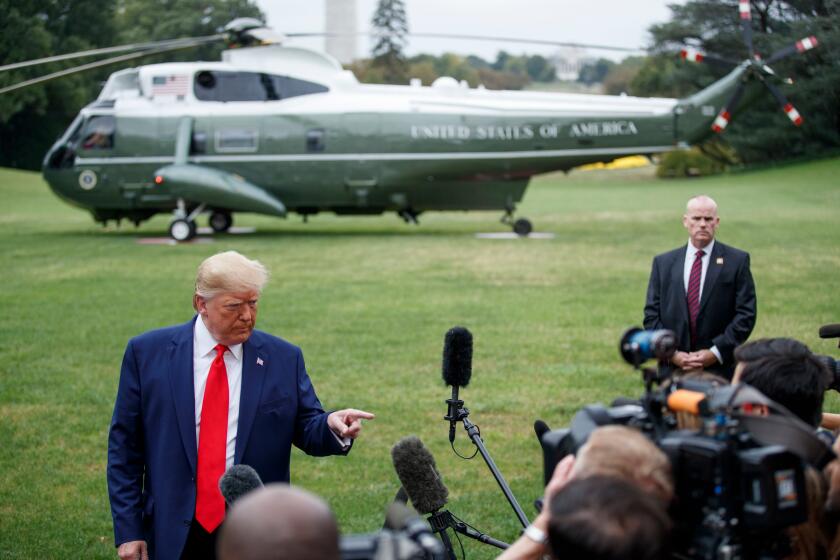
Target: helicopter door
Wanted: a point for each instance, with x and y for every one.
(96, 141)
(361, 175)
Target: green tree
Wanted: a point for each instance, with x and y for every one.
(540, 69)
(153, 20)
(389, 22)
(595, 72)
(32, 118)
(619, 76)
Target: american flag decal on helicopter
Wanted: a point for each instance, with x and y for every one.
(170, 85)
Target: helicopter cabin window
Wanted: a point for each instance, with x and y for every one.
(98, 133)
(236, 140)
(215, 85)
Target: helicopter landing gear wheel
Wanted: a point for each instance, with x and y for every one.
(220, 222)
(182, 230)
(522, 227)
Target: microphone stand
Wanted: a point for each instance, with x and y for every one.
(458, 412)
(440, 521)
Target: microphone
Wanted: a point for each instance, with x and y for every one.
(830, 331)
(238, 481)
(457, 369)
(418, 474)
(402, 518)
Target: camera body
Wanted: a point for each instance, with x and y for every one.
(384, 545)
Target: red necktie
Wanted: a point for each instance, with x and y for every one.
(212, 445)
(692, 295)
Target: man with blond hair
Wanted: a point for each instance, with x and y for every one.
(197, 398)
(704, 292)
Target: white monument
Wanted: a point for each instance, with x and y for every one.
(341, 28)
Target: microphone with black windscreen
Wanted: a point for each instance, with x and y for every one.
(457, 370)
(419, 476)
(421, 480)
(238, 481)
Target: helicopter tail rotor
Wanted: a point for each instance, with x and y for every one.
(756, 67)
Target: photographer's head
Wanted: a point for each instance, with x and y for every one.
(626, 453)
(605, 518)
(787, 372)
(279, 522)
(769, 347)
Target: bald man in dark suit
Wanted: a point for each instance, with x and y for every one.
(704, 292)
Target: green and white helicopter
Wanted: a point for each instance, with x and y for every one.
(274, 129)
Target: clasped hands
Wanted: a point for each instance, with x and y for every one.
(689, 361)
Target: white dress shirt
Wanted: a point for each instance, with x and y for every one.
(690, 256)
(204, 352)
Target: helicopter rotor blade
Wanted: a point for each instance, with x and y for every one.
(120, 48)
(786, 105)
(105, 62)
(746, 25)
(800, 46)
(725, 115)
(479, 38)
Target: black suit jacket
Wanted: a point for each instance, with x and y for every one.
(727, 302)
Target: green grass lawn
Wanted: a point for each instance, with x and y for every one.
(369, 300)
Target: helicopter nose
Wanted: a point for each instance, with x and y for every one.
(59, 156)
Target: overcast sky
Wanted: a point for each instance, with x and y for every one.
(610, 22)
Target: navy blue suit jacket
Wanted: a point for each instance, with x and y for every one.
(152, 446)
(727, 303)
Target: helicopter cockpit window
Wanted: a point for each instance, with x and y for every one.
(98, 133)
(213, 85)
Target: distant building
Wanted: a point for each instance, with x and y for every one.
(341, 29)
(569, 61)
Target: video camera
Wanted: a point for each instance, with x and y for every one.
(406, 536)
(739, 476)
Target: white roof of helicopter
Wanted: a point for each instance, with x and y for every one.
(133, 92)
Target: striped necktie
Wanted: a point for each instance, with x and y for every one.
(692, 295)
